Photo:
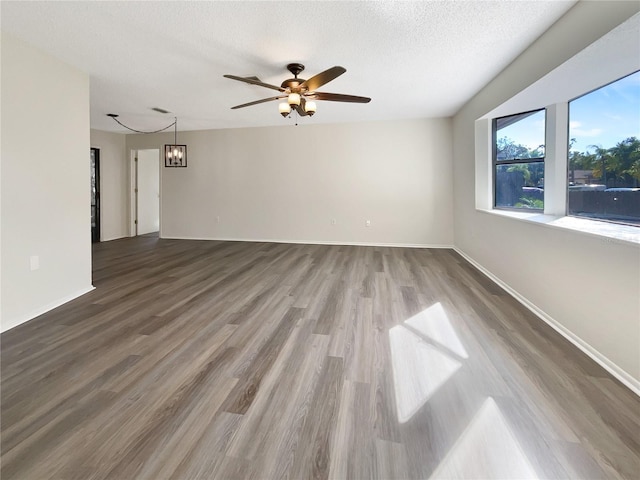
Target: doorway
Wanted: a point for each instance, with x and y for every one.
(95, 195)
(146, 191)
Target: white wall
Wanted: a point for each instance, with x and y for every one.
(148, 174)
(288, 183)
(590, 286)
(45, 182)
(114, 184)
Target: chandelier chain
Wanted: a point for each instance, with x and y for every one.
(140, 131)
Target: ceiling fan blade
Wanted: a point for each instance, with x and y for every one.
(254, 81)
(338, 97)
(323, 77)
(259, 101)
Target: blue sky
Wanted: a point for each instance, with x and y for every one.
(603, 117)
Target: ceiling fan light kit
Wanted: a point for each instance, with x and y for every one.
(294, 99)
(310, 108)
(285, 109)
(300, 94)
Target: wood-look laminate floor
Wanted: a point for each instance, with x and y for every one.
(207, 360)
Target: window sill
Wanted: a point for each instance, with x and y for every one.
(610, 232)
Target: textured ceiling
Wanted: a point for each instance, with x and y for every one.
(414, 59)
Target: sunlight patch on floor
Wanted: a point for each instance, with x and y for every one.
(486, 449)
(422, 359)
(434, 324)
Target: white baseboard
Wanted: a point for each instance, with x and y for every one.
(108, 239)
(313, 242)
(628, 380)
(44, 309)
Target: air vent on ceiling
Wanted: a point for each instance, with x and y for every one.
(160, 110)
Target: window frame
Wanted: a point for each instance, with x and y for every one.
(515, 161)
(566, 178)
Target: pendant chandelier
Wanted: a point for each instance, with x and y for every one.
(174, 155)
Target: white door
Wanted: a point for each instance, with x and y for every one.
(148, 191)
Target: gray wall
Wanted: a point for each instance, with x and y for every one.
(289, 183)
(45, 183)
(587, 286)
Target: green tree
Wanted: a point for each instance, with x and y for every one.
(532, 173)
(601, 162)
(529, 202)
(618, 165)
(580, 160)
(526, 174)
(626, 165)
(507, 149)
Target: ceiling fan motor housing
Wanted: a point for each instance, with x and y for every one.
(293, 84)
(295, 68)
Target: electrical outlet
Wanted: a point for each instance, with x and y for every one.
(333, 221)
(217, 218)
(34, 262)
(367, 223)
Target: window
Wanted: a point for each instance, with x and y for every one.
(604, 153)
(518, 161)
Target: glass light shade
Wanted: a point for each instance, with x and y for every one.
(310, 107)
(284, 107)
(294, 99)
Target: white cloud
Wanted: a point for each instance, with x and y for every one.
(576, 131)
(593, 132)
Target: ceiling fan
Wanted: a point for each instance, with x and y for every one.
(300, 93)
